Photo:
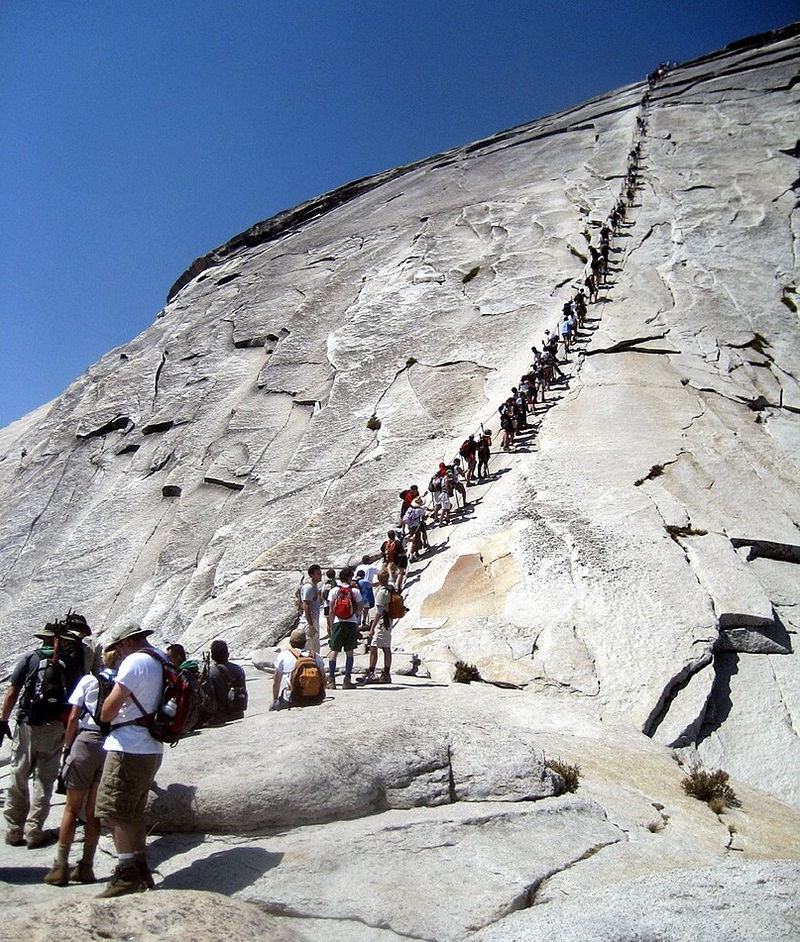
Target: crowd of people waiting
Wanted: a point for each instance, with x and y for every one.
(81, 709)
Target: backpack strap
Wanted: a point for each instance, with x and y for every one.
(142, 720)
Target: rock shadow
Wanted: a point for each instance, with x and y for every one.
(224, 871)
(719, 706)
(21, 876)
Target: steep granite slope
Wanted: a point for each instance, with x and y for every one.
(633, 567)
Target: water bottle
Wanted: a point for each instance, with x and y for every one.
(170, 708)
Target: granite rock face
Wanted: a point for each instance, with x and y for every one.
(631, 568)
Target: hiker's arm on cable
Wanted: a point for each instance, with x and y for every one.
(113, 702)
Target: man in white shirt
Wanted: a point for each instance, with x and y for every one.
(134, 756)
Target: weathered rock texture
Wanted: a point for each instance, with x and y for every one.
(634, 570)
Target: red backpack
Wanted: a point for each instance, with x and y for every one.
(178, 708)
(344, 605)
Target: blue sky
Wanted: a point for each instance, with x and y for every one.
(139, 135)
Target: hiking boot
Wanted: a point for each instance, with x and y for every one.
(125, 880)
(42, 839)
(82, 872)
(145, 874)
(15, 841)
(58, 876)
(385, 678)
(330, 684)
(348, 684)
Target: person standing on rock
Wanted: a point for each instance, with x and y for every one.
(345, 603)
(134, 756)
(85, 757)
(311, 601)
(381, 633)
(41, 683)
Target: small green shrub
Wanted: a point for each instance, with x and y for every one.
(466, 673)
(410, 362)
(470, 274)
(570, 774)
(711, 787)
(573, 251)
(373, 423)
(788, 301)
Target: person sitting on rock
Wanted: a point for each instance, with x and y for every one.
(287, 688)
(230, 685)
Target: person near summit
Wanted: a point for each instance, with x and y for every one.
(41, 683)
(311, 603)
(283, 681)
(81, 771)
(345, 603)
(230, 686)
(133, 755)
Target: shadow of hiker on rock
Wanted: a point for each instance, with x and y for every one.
(224, 871)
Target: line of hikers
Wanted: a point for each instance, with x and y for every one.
(370, 599)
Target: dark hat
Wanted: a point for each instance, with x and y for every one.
(77, 623)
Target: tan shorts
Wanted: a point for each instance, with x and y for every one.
(85, 763)
(126, 780)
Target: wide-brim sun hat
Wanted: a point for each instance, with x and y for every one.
(122, 633)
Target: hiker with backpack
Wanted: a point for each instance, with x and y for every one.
(41, 683)
(84, 758)
(380, 634)
(133, 754)
(365, 587)
(299, 675)
(230, 686)
(391, 548)
(345, 603)
(468, 451)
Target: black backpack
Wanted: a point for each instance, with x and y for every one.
(237, 690)
(45, 694)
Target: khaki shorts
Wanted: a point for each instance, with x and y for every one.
(382, 637)
(122, 795)
(85, 763)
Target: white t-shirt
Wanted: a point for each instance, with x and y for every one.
(370, 573)
(85, 695)
(285, 664)
(141, 674)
